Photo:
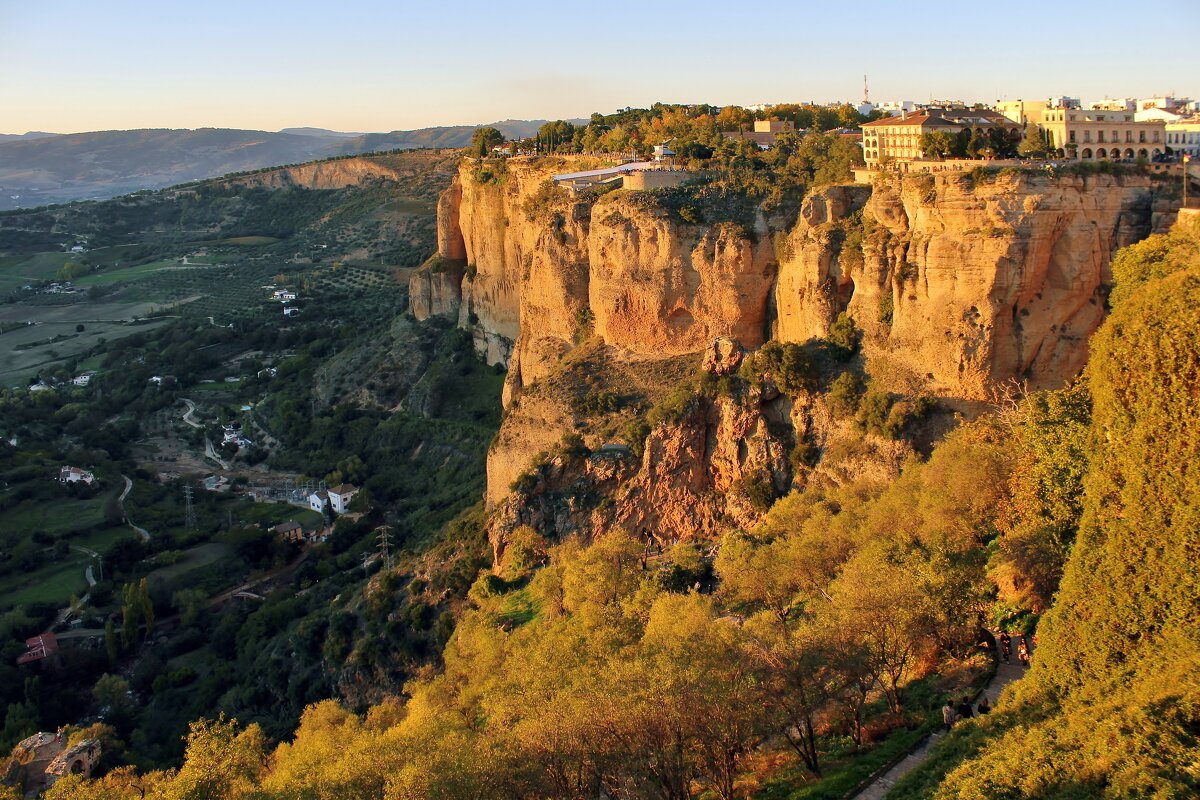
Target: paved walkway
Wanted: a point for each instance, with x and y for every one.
(1005, 674)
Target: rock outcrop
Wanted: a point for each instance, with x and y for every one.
(660, 285)
(435, 289)
(622, 267)
(816, 263)
(692, 478)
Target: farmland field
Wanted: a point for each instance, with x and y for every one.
(53, 583)
(125, 273)
(193, 558)
(16, 271)
(54, 338)
(64, 516)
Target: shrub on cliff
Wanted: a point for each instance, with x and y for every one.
(843, 336)
(844, 394)
(790, 365)
(674, 407)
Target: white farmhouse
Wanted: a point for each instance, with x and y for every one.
(340, 497)
(75, 475)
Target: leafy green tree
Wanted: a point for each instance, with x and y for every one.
(111, 692)
(937, 144)
(112, 645)
(1033, 145)
(484, 139)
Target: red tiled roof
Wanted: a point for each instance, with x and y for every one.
(911, 119)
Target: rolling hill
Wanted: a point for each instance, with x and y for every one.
(40, 170)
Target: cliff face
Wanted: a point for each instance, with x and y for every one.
(988, 282)
(664, 286)
(957, 285)
(336, 174)
(687, 484)
(623, 268)
(435, 289)
(817, 263)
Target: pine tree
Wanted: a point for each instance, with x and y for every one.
(1034, 143)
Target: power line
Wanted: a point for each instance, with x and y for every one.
(189, 510)
(385, 545)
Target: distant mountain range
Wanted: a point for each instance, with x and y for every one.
(41, 168)
(6, 137)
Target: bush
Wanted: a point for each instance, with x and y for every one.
(803, 456)
(759, 489)
(418, 615)
(886, 308)
(789, 364)
(844, 394)
(572, 445)
(486, 587)
(843, 336)
(674, 407)
(634, 435)
(873, 414)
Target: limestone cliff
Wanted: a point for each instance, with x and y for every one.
(622, 266)
(817, 263)
(972, 283)
(686, 477)
(338, 173)
(958, 282)
(435, 289)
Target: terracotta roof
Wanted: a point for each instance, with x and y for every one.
(345, 488)
(911, 119)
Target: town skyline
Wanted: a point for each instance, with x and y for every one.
(376, 68)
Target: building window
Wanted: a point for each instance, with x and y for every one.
(1116, 136)
(1141, 136)
(1072, 137)
(1087, 136)
(1156, 137)
(1100, 134)
(1129, 136)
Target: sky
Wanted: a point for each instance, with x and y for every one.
(366, 65)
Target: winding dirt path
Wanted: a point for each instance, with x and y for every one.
(138, 529)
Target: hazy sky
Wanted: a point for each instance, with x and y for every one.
(359, 65)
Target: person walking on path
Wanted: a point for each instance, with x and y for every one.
(964, 708)
(983, 707)
(1023, 653)
(948, 715)
(1006, 646)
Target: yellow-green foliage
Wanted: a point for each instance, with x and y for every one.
(1047, 496)
(1111, 707)
(596, 670)
(1154, 257)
